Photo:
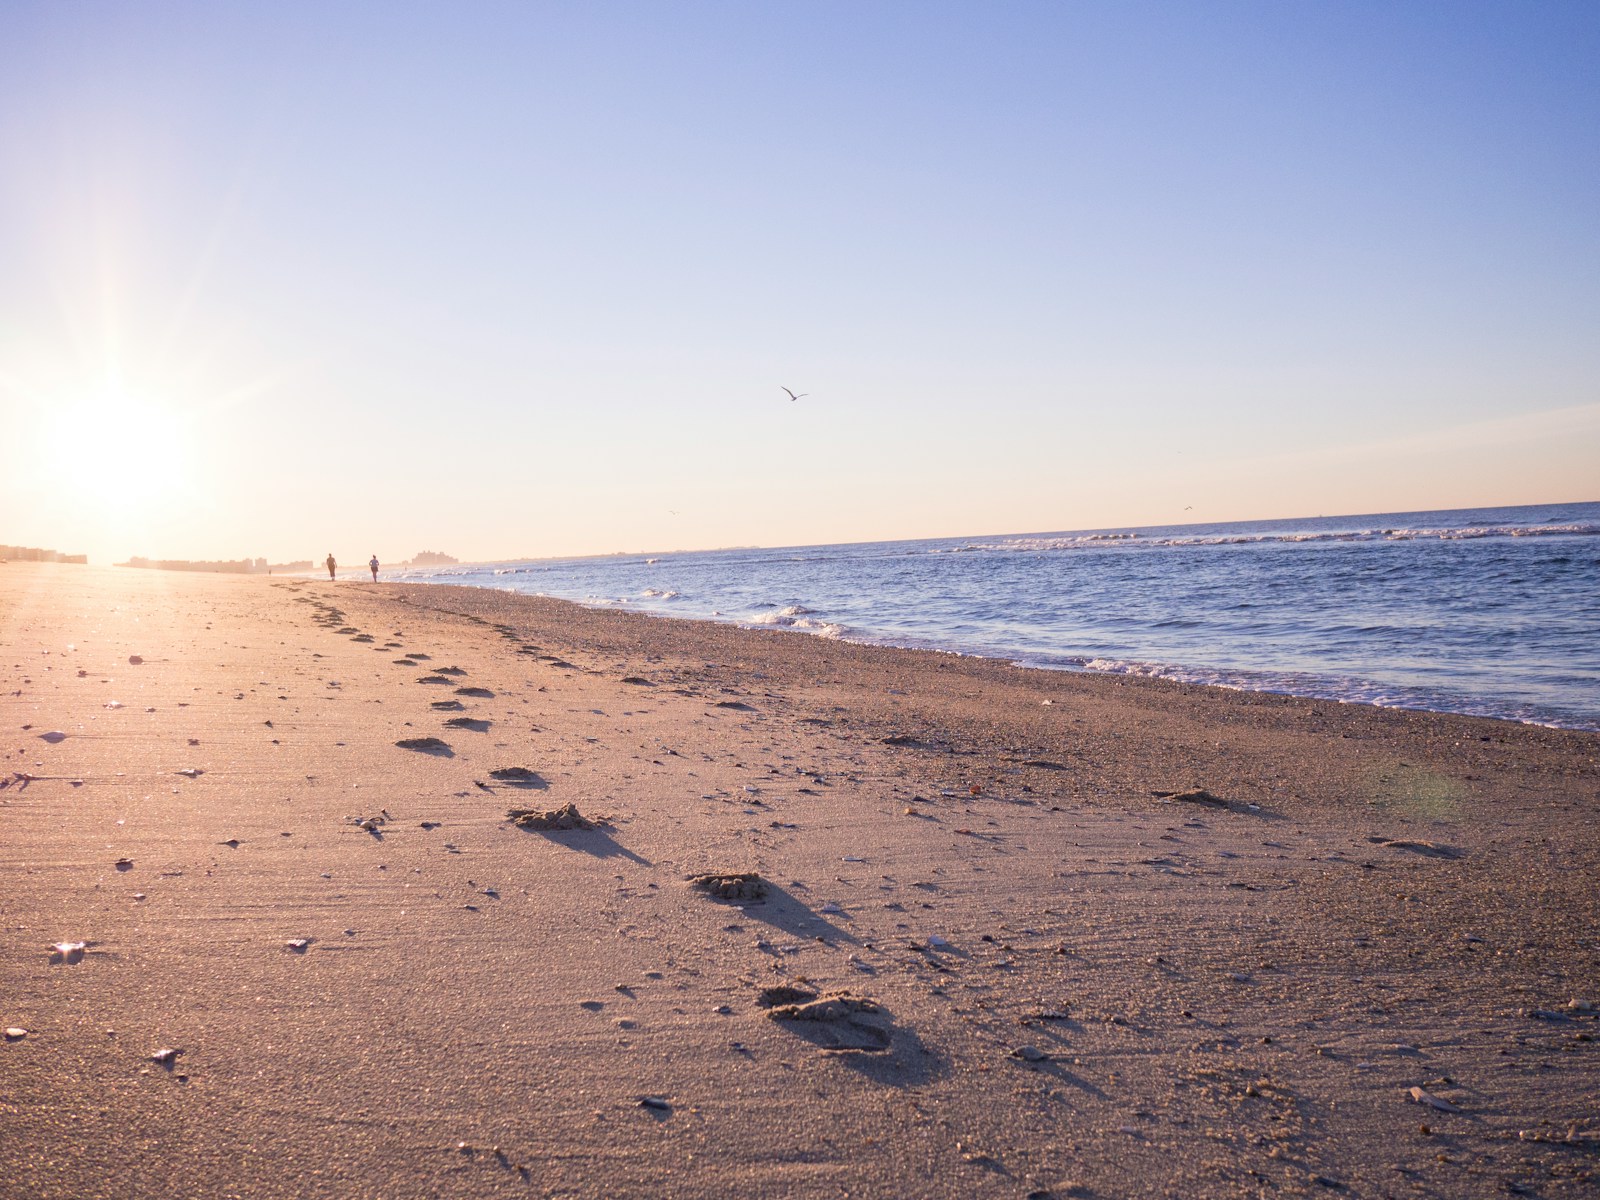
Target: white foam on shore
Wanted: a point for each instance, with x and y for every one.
(1338, 689)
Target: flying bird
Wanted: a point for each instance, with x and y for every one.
(792, 396)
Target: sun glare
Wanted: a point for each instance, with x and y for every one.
(116, 453)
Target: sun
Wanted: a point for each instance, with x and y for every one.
(116, 452)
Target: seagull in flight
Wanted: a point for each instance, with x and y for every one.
(792, 396)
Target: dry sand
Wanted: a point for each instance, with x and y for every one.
(981, 957)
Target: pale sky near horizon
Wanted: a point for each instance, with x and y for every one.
(527, 279)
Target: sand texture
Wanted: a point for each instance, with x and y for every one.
(778, 917)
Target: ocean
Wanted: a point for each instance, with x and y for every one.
(1492, 612)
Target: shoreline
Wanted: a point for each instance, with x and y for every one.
(1054, 967)
(1167, 672)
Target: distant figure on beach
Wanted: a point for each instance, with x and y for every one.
(330, 564)
(374, 565)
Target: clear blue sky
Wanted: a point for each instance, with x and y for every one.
(511, 279)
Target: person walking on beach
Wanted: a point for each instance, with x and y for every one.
(374, 565)
(330, 564)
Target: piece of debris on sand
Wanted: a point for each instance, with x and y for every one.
(1192, 796)
(565, 817)
(840, 1023)
(735, 885)
(1427, 849)
(1429, 1100)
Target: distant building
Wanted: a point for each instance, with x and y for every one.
(242, 566)
(34, 554)
(433, 558)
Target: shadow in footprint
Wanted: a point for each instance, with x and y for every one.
(595, 842)
(472, 723)
(782, 911)
(427, 745)
(481, 693)
(1070, 1079)
(519, 777)
(861, 1034)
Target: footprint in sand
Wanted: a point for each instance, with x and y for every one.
(480, 693)
(426, 745)
(448, 705)
(472, 723)
(566, 817)
(839, 1023)
(738, 886)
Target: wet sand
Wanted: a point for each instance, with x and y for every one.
(946, 939)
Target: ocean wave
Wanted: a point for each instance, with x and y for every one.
(825, 629)
(1035, 545)
(780, 616)
(658, 594)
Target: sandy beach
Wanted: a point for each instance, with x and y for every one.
(960, 929)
